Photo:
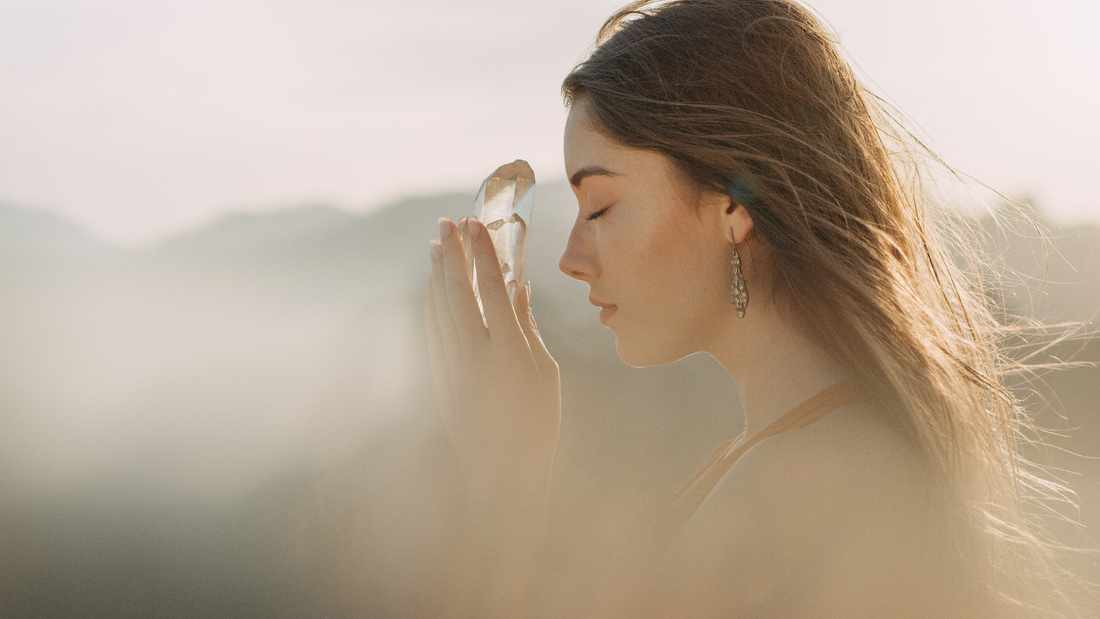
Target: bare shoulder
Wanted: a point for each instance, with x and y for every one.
(821, 521)
(851, 460)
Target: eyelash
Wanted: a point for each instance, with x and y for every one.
(596, 214)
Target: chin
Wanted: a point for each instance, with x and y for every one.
(651, 353)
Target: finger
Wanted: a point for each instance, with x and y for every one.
(440, 371)
(546, 364)
(447, 331)
(460, 291)
(499, 313)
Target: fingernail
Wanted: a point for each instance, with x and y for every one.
(444, 227)
(475, 227)
(435, 248)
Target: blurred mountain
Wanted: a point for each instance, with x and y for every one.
(241, 421)
(42, 235)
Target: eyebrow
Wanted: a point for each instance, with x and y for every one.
(585, 172)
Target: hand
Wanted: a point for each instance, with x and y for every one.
(498, 387)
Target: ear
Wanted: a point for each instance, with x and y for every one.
(737, 222)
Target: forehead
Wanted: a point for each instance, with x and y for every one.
(587, 148)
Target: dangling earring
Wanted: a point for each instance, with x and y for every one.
(739, 295)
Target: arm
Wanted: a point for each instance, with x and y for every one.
(499, 396)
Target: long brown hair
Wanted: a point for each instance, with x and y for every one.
(753, 98)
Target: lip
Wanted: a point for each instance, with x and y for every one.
(607, 309)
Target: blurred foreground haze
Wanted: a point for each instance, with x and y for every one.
(240, 421)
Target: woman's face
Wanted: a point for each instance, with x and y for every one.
(654, 254)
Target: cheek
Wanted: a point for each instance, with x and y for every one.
(634, 252)
(664, 259)
(680, 260)
(694, 277)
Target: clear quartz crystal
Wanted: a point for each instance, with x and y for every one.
(504, 204)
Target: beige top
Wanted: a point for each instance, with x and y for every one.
(692, 494)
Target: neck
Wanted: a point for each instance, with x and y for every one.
(774, 366)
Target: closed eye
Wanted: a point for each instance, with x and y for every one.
(592, 216)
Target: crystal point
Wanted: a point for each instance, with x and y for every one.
(504, 204)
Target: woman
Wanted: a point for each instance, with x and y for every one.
(740, 193)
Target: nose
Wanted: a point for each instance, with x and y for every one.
(579, 260)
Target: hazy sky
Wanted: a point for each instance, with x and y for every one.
(141, 118)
